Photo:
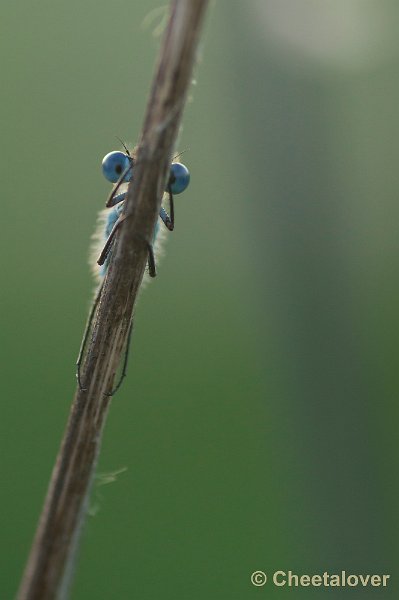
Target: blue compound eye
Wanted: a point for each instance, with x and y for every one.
(114, 164)
(179, 178)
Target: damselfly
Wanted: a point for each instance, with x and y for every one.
(118, 168)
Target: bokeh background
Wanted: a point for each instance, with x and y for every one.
(257, 428)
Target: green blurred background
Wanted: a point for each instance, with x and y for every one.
(257, 428)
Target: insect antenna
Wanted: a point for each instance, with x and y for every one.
(180, 153)
(124, 145)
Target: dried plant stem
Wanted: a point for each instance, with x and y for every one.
(49, 569)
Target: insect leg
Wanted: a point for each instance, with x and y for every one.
(166, 218)
(151, 261)
(169, 221)
(171, 205)
(111, 199)
(107, 246)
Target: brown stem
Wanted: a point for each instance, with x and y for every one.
(48, 573)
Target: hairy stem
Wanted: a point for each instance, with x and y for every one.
(49, 569)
